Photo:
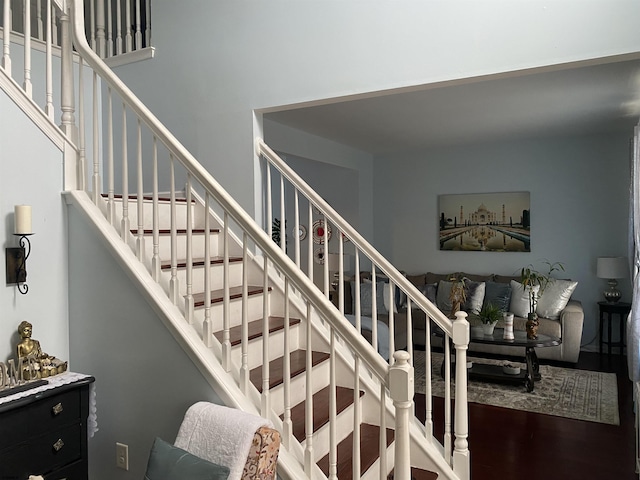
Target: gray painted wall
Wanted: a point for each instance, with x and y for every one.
(257, 55)
(579, 207)
(144, 380)
(32, 174)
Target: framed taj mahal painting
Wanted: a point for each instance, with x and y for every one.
(485, 222)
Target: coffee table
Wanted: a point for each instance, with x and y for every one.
(495, 373)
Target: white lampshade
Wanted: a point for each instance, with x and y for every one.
(612, 267)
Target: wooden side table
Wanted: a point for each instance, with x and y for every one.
(619, 308)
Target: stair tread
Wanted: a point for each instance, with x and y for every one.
(418, 474)
(276, 367)
(119, 196)
(344, 399)
(199, 262)
(369, 439)
(255, 329)
(179, 231)
(217, 296)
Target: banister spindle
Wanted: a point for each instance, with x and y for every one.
(39, 22)
(382, 438)
(333, 434)
(147, 17)
(111, 206)
(265, 398)
(119, 27)
(461, 459)
(296, 236)
(140, 236)
(49, 109)
(125, 177)
(96, 185)
(128, 37)
(401, 387)
(67, 104)
(189, 303)
(207, 326)
(357, 418)
(244, 369)
(100, 29)
(174, 289)
(138, 26)
(309, 460)
(82, 136)
(109, 29)
(27, 86)
(92, 24)
(6, 37)
(156, 262)
(283, 220)
(269, 206)
(226, 309)
(287, 424)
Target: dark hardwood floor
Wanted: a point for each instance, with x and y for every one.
(508, 444)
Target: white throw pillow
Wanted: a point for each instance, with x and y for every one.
(520, 299)
(554, 298)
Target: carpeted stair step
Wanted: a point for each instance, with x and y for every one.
(255, 329)
(297, 361)
(369, 439)
(344, 399)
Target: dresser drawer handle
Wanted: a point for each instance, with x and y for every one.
(58, 445)
(57, 409)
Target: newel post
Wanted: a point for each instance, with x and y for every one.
(401, 386)
(461, 459)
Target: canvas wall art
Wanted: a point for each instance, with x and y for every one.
(485, 222)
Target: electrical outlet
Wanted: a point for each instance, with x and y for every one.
(122, 456)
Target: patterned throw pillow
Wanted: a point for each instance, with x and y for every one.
(475, 292)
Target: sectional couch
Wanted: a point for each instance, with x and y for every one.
(559, 314)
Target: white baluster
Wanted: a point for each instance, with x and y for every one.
(174, 288)
(283, 221)
(156, 262)
(6, 37)
(296, 237)
(340, 273)
(310, 244)
(333, 436)
(100, 29)
(207, 327)
(125, 178)
(461, 458)
(111, 216)
(109, 29)
(96, 141)
(148, 23)
(269, 206)
(92, 24)
(138, 27)
(68, 121)
(401, 387)
(309, 460)
(392, 327)
(189, 304)
(382, 444)
(140, 237)
(265, 398)
(39, 23)
(244, 369)
(118, 27)
(447, 399)
(128, 37)
(429, 398)
(374, 308)
(226, 314)
(49, 110)
(357, 418)
(325, 264)
(356, 293)
(82, 153)
(28, 88)
(286, 423)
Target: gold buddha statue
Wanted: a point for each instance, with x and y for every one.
(36, 363)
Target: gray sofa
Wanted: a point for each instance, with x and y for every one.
(567, 326)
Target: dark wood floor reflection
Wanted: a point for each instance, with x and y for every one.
(513, 445)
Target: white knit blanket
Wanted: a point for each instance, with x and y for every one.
(219, 434)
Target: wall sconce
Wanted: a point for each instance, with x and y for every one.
(16, 258)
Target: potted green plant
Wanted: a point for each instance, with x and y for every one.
(489, 315)
(530, 279)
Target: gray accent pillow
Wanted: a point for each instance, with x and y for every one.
(430, 290)
(168, 462)
(475, 293)
(498, 294)
(366, 292)
(442, 296)
(554, 298)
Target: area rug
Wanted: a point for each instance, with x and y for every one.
(564, 392)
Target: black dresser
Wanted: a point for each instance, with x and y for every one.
(45, 433)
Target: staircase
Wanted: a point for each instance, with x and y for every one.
(242, 306)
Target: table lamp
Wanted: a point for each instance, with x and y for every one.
(612, 268)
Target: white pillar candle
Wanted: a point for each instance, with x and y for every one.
(22, 219)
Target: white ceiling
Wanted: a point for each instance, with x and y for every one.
(564, 100)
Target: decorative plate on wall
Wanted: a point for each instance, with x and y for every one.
(301, 233)
(318, 256)
(318, 231)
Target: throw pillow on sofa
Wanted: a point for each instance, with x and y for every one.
(366, 294)
(519, 305)
(475, 292)
(554, 298)
(498, 294)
